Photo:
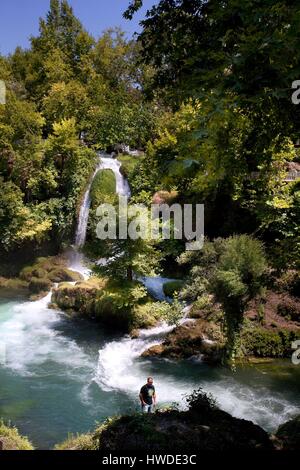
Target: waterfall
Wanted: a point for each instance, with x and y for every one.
(106, 162)
(84, 213)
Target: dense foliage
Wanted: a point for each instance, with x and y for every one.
(205, 93)
(68, 90)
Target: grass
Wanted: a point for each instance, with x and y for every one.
(12, 440)
(128, 163)
(104, 185)
(78, 442)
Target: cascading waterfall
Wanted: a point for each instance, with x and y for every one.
(122, 188)
(118, 367)
(106, 161)
(122, 185)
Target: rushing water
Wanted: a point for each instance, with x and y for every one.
(62, 375)
(56, 381)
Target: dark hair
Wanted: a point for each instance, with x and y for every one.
(149, 378)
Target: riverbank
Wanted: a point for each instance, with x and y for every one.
(73, 363)
(202, 427)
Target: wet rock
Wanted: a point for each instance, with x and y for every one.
(172, 430)
(289, 434)
(192, 339)
(157, 350)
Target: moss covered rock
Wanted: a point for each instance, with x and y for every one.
(289, 434)
(192, 339)
(124, 307)
(80, 297)
(194, 430)
(64, 275)
(45, 272)
(38, 285)
(12, 288)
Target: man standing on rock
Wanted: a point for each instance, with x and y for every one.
(148, 396)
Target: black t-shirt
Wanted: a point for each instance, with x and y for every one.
(147, 392)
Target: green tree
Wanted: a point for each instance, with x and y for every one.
(232, 269)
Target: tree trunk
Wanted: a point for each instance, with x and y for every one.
(129, 274)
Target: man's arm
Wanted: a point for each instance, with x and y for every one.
(154, 397)
(141, 398)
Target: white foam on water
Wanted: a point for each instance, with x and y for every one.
(118, 365)
(257, 404)
(31, 341)
(121, 368)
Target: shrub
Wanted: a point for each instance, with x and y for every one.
(228, 285)
(147, 315)
(244, 255)
(290, 282)
(115, 305)
(261, 342)
(261, 314)
(195, 287)
(205, 306)
(109, 313)
(128, 163)
(12, 440)
(78, 442)
(201, 401)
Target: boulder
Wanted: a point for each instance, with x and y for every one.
(193, 338)
(289, 434)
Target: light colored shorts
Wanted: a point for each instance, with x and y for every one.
(147, 408)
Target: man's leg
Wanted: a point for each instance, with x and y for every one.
(145, 409)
